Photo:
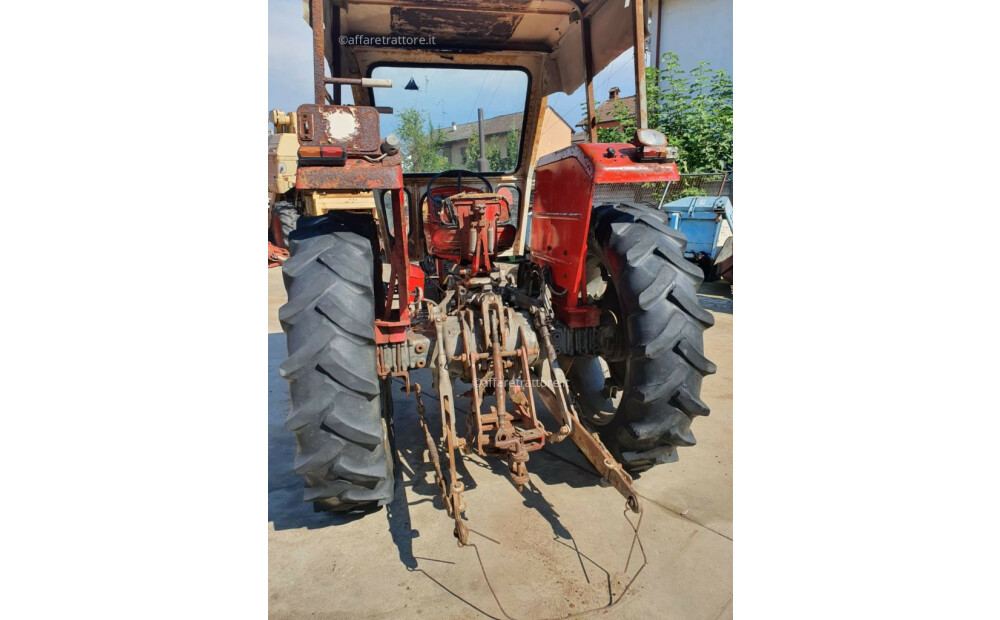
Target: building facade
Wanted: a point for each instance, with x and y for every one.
(457, 139)
(695, 30)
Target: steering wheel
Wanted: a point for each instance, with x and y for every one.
(437, 200)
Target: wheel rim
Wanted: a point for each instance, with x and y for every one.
(596, 381)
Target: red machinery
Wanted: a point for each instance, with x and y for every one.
(564, 197)
(601, 321)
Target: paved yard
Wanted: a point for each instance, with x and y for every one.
(562, 543)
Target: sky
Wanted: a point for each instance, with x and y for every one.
(289, 80)
(451, 95)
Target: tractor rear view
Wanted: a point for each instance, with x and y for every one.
(596, 315)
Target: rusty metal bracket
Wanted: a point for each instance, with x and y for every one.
(453, 498)
(451, 490)
(586, 440)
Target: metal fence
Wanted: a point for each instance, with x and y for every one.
(711, 183)
(656, 194)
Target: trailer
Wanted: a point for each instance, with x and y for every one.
(700, 219)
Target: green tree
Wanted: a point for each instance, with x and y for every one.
(472, 154)
(505, 163)
(624, 132)
(694, 111)
(422, 150)
(495, 157)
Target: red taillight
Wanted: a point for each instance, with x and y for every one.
(322, 155)
(656, 153)
(653, 152)
(332, 151)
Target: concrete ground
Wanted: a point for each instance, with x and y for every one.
(561, 545)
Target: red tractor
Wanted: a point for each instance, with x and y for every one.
(596, 314)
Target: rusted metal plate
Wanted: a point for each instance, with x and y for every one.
(355, 174)
(482, 6)
(319, 49)
(356, 128)
(553, 27)
(449, 24)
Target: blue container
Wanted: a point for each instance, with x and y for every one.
(700, 219)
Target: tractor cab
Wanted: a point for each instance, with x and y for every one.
(429, 67)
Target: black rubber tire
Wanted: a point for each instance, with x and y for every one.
(663, 324)
(340, 408)
(286, 219)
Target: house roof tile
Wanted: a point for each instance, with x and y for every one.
(491, 126)
(606, 111)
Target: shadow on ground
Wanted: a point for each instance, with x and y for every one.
(716, 296)
(415, 484)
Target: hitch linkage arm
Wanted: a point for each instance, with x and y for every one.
(554, 381)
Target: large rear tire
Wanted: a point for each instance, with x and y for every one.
(652, 290)
(340, 408)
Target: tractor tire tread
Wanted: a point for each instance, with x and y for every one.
(657, 291)
(336, 395)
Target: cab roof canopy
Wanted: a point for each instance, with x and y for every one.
(552, 28)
